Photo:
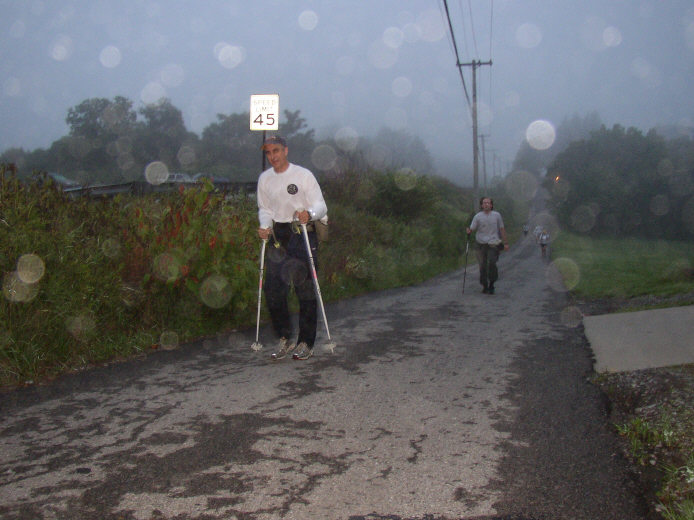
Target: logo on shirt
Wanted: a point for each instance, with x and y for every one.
(292, 189)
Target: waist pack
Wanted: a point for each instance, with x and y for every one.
(322, 229)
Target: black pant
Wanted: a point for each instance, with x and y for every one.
(289, 265)
(487, 256)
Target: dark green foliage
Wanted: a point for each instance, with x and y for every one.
(620, 181)
(118, 273)
(123, 274)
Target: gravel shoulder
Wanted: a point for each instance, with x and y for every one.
(652, 413)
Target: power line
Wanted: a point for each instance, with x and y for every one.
(455, 50)
(472, 28)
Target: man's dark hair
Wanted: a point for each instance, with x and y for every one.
(490, 200)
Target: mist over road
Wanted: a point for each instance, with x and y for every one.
(434, 403)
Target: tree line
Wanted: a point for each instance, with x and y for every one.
(620, 181)
(617, 181)
(109, 141)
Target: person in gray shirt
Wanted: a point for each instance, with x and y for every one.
(489, 237)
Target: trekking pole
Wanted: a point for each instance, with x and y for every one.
(257, 345)
(330, 345)
(467, 248)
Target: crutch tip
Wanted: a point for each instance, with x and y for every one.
(256, 347)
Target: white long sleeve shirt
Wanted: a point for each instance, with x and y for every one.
(280, 195)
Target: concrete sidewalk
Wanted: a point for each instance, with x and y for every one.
(629, 341)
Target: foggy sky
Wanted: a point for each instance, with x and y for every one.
(351, 63)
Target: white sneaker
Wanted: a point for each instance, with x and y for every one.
(284, 347)
(303, 351)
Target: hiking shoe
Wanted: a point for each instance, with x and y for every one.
(490, 290)
(303, 351)
(284, 347)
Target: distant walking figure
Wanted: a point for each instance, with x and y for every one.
(544, 240)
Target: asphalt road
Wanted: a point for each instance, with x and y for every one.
(435, 404)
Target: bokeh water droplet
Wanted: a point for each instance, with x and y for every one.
(30, 268)
(401, 87)
(431, 25)
(405, 179)
(168, 340)
(168, 266)
(563, 274)
(411, 33)
(308, 20)
(660, 205)
(393, 37)
(81, 326)
(186, 155)
(61, 48)
(665, 167)
(612, 37)
(110, 56)
(528, 35)
(583, 218)
(323, 157)
(14, 289)
(571, 316)
(540, 134)
(229, 56)
(156, 173)
(111, 248)
(215, 291)
(152, 93)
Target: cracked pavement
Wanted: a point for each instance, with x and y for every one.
(435, 404)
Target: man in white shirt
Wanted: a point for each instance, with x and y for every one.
(288, 193)
(489, 237)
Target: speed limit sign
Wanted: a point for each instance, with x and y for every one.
(265, 110)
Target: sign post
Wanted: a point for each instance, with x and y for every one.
(265, 114)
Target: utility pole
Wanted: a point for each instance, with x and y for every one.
(484, 164)
(475, 150)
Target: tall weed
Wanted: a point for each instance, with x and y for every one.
(122, 275)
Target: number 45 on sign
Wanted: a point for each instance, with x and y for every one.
(265, 111)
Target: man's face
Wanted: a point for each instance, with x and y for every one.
(486, 204)
(277, 156)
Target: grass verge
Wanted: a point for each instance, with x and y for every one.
(652, 409)
(626, 267)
